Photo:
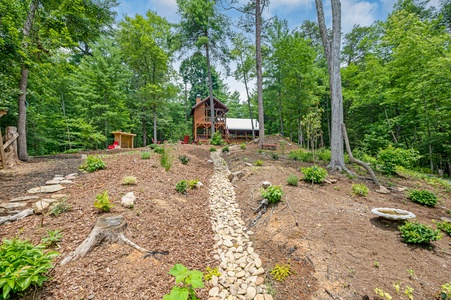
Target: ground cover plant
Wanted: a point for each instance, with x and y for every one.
(314, 174)
(129, 180)
(184, 159)
(423, 197)
(182, 186)
(102, 202)
(186, 282)
(23, 265)
(416, 233)
(360, 190)
(145, 155)
(93, 163)
(292, 180)
(272, 193)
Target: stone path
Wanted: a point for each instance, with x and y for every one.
(241, 268)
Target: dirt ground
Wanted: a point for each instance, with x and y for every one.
(335, 247)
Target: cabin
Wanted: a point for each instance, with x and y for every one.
(202, 121)
(240, 130)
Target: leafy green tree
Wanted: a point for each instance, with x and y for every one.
(202, 26)
(146, 46)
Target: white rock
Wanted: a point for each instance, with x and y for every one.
(250, 293)
(128, 200)
(258, 262)
(214, 291)
(266, 184)
(227, 243)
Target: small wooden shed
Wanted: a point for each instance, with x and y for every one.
(124, 139)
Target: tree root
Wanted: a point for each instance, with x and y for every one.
(108, 228)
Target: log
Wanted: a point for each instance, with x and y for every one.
(107, 229)
(352, 159)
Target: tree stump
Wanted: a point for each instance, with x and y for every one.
(109, 229)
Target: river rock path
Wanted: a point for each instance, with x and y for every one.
(240, 266)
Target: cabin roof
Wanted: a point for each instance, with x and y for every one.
(217, 104)
(241, 124)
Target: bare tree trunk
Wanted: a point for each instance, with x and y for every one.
(332, 50)
(258, 54)
(249, 103)
(144, 129)
(154, 122)
(22, 99)
(210, 88)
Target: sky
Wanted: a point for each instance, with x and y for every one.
(363, 13)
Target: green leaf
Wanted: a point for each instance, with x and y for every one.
(177, 293)
(179, 271)
(196, 279)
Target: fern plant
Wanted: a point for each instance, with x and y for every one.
(102, 202)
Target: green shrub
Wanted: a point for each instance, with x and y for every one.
(129, 180)
(52, 238)
(145, 155)
(243, 146)
(281, 272)
(153, 146)
(392, 157)
(445, 292)
(324, 154)
(216, 139)
(158, 150)
(60, 207)
(189, 280)
(275, 156)
(272, 193)
(258, 163)
(166, 159)
(72, 151)
(301, 155)
(22, 265)
(184, 159)
(416, 233)
(292, 180)
(92, 164)
(314, 174)
(360, 190)
(423, 197)
(181, 186)
(209, 273)
(226, 149)
(445, 227)
(102, 202)
(193, 183)
(212, 149)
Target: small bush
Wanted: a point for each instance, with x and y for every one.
(145, 155)
(184, 159)
(243, 146)
(153, 146)
(60, 207)
(416, 233)
(22, 265)
(258, 163)
(158, 150)
(324, 154)
(212, 149)
(360, 190)
(392, 157)
(314, 174)
(209, 273)
(92, 164)
(445, 292)
(102, 202)
(226, 149)
(275, 156)
(292, 180)
(272, 193)
(423, 197)
(181, 186)
(193, 183)
(445, 227)
(186, 281)
(52, 238)
(281, 272)
(129, 180)
(216, 139)
(301, 155)
(166, 159)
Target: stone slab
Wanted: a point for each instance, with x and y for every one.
(53, 181)
(24, 198)
(12, 205)
(46, 189)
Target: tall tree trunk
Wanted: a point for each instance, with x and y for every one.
(210, 88)
(258, 54)
(22, 99)
(332, 50)
(144, 129)
(248, 102)
(154, 122)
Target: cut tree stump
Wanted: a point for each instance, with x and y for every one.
(108, 228)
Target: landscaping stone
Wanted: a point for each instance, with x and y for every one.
(24, 198)
(12, 205)
(46, 189)
(266, 184)
(128, 200)
(237, 258)
(42, 206)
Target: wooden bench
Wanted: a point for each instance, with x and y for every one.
(269, 146)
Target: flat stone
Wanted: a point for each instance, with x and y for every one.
(383, 190)
(24, 198)
(227, 243)
(46, 189)
(266, 184)
(259, 280)
(268, 297)
(53, 181)
(12, 205)
(128, 200)
(66, 181)
(259, 297)
(58, 196)
(260, 271)
(40, 207)
(258, 262)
